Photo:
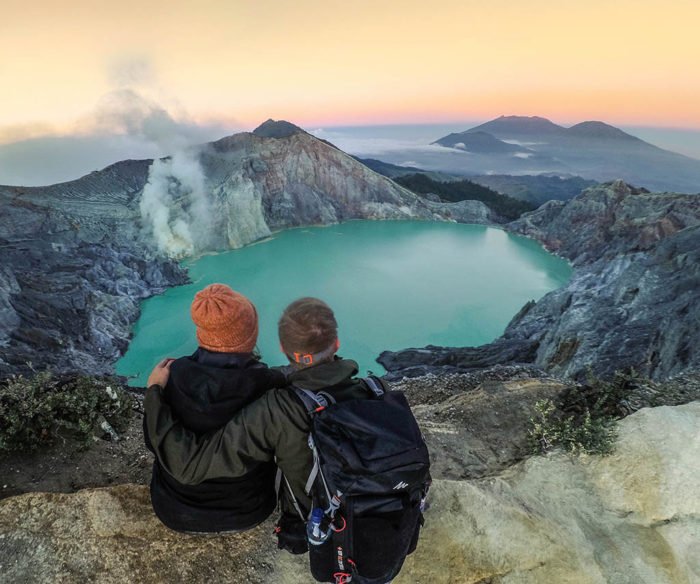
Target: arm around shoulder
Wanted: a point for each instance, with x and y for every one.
(249, 437)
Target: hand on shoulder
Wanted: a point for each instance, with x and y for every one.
(160, 373)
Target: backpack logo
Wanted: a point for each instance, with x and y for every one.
(341, 565)
(400, 485)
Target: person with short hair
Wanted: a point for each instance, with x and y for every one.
(308, 333)
(204, 390)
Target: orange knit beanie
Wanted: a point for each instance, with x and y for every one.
(227, 321)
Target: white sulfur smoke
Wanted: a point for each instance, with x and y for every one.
(175, 205)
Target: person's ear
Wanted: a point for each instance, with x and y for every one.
(337, 345)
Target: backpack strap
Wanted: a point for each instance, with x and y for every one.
(312, 400)
(315, 402)
(375, 385)
(344, 551)
(278, 488)
(317, 473)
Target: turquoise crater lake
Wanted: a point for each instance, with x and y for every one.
(392, 284)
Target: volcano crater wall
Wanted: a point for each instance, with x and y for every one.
(78, 257)
(633, 300)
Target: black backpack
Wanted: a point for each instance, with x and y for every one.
(368, 485)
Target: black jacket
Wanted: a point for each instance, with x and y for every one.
(205, 390)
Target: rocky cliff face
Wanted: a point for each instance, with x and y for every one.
(78, 257)
(629, 518)
(633, 299)
(263, 184)
(73, 270)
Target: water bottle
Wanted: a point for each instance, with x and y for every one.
(314, 533)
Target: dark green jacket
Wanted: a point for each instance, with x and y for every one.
(276, 426)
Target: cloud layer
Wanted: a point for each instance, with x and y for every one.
(132, 120)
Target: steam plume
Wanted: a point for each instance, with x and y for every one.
(175, 206)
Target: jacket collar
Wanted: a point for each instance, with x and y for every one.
(222, 360)
(324, 375)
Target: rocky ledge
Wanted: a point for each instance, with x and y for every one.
(628, 518)
(633, 300)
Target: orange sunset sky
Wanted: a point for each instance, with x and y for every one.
(329, 62)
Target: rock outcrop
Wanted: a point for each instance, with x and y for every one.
(632, 301)
(73, 269)
(289, 178)
(112, 535)
(632, 517)
(77, 258)
(629, 518)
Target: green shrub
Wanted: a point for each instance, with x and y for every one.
(583, 417)
(36, 410)
(587, 434)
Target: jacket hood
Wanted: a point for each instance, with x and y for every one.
(208, 378)
(325, 375)
(206, 388)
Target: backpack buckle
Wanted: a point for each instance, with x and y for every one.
(374, 386)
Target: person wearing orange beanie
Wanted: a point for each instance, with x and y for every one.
(206, 389)
(226, 321)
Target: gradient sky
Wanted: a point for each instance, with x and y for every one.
(332, 62)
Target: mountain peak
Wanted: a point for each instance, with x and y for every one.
(596, 129)
(527, 119)
(479, 142)
(276, 129)
(513, 125)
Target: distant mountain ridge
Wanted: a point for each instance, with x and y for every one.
(519, 125)
(534, 188)
(480, 142)
(595, 129)
(593, 150)
(528, 125)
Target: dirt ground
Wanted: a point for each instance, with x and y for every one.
(68, 467)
